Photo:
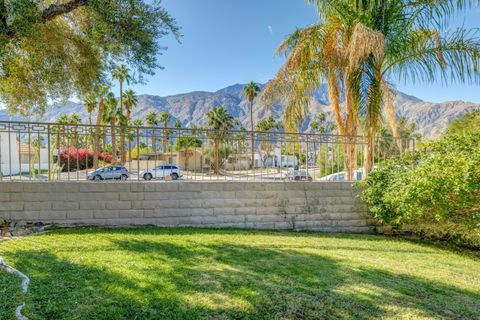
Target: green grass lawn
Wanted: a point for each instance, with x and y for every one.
(153, 273)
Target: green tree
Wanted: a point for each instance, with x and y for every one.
(185, 144)
(129, 101)
(266, 147)
(251, 91)
(219, 123)
(361, 44)
(152, 121)
(101, 93)
(111, 115)
(177, 124)
(122, 74)
(52, 50)
(165, 119)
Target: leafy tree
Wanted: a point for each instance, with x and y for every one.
(251, 91)
(219, 123)
(436, 190)
(152, 120)
(54, 49)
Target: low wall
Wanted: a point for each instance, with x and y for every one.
(330, 207)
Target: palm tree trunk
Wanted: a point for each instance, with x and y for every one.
(333, 93)
(154, 144)
(187, 157)
(114, 143)
(216, 145)
(252, 137)
(122, 145)
(351, 132)
(165, 137)
(96, 147)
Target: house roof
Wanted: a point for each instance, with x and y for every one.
(24, 148)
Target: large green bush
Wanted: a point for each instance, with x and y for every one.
(436, 190)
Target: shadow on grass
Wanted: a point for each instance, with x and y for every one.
(167, 280)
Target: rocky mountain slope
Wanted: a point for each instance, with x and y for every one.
(190, 108)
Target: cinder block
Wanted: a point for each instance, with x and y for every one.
(117, 186)
(132, 214)
(37, 206)
(223, 211)
(92, 205)
(32, 187)
(80, 214)
(31, 216)
(11, 206)
(65, 205)
(245, 210)
(189, 187)
(166, 186)
(105, 214)
(95, 187)
(4, 196)
(213, 203)
(129, 196)
(118, 205)
(46, 216)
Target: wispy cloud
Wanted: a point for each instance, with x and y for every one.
(270, 29)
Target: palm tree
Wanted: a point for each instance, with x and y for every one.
(111, 115)
(177, 124)
(152, 121)
(90, 104)
(129, 101)
(251, 91)
(165, 119)
(101, 93)
(219, 122)
(185, 144)
(121, 73)
(361, 44)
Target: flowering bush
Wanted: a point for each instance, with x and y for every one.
(72, 159)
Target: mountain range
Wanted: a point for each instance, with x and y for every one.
(190, 108)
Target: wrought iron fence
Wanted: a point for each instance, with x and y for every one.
(53, 151)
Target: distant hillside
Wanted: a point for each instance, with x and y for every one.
(190, 108)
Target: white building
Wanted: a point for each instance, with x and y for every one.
(16, 157)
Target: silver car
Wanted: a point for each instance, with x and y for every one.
(161, 172)
(109, 173)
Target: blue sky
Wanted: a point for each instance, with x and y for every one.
(233, 41)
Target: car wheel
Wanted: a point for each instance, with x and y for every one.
(174, 176)
(148, 176)
(97, 178)
(124, 177)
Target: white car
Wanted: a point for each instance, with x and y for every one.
(161, 172)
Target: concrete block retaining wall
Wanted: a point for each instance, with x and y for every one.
(331, 207)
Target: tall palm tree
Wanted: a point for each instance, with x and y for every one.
(219, 122)
(361, 44)
(122, 74)
(152, 121)
(101, 93)
(129, 101)
(251, 91)
(111, 115)
(165, 119)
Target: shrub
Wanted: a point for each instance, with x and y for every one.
(435, 192)
(72, 159)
